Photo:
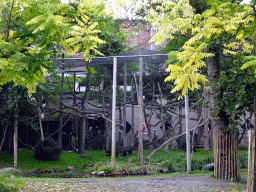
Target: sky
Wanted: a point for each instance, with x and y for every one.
(119, 10)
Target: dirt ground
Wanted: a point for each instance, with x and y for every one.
(180, 183)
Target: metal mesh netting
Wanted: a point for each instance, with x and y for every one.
(77, 65)
(153, 72)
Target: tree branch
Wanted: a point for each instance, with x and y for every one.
(161, 146)
(9, 23)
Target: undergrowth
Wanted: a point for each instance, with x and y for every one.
(10, 183)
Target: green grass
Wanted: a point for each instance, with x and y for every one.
(26, 160)
(173, 161)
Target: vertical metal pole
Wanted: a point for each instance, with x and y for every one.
(113, 149)
(187, 133)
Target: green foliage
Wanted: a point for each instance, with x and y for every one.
(10, 183)
(243, 158)
(83, 35)
(236, 100)
(222, 26)
(175, 161)
(33, 31)
(48, 150)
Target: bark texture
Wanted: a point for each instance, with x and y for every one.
(225, 148)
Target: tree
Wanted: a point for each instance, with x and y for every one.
(225, 29)
(30, 30)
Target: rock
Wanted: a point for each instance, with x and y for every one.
(70, 168)
(94, 173)
(101, 173)
(11, 171)
(209, 167)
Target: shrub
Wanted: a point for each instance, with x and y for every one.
(243, 158)
(10, 183)
(48, 150)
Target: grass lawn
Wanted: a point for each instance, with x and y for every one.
(172, 164)
(174, 161)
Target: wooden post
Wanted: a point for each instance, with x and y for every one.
(113, 149)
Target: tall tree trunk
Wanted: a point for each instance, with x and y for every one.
(82, 131)
(15, 137)
(74, 124)
(206, 116)
(199, 115)
(40, 123)
(162, 117)
(125, 143)
(4, 134)
(142, 124)
(148, 121)
(60, 113)
(132, 128)
(106, 135)
(225, 148)
(120, 125)
(180, 117)
(251, 177)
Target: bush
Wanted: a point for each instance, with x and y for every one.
(10, 183)
(48, 150)
(243, 159)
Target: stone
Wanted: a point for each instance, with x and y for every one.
(101, 173)
(11, 171)
(70, 168)
(209, 167)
